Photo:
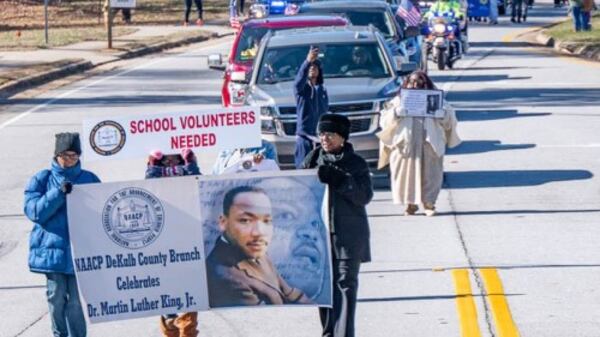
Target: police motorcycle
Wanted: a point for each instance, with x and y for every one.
(442, 43)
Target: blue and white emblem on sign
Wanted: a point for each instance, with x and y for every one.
(133, 218)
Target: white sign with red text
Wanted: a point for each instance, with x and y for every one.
(134, 136)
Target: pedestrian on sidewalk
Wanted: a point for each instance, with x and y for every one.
(516, 11)
(188, 10)
(586, 14)
(312, 101)
(160, 165)
(236, 7)
(348, 178)
(575, 9)
(49, 243)
(493, 12)
(414, 147)
(126, 12)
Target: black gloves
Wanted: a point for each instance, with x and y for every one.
(332, 175)
(66, 187)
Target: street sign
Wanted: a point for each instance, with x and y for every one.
(122, 3)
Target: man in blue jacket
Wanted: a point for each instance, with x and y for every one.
(49, 244)
(311, 102)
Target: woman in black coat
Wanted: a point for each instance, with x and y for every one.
(350, 190)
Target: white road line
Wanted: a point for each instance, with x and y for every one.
(68, 93)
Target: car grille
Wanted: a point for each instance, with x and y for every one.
(361, 124)
(351, 107)
(334, 108)
(287, 110)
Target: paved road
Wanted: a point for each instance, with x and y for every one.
(522, 196)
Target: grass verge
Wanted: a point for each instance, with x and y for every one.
(34, 38)
(565, 32)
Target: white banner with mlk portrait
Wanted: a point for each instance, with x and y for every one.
(137, 248)
(159, 246)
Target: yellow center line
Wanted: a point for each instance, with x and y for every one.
(465, 305)
(505, 326)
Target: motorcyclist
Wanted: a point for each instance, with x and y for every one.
(458, 10)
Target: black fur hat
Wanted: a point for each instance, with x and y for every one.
(339, 124)
(67, 141)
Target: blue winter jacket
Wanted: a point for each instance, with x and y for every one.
(46, 206)
(311, 102)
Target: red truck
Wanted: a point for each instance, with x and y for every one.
(246, 43)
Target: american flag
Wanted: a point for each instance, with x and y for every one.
(409, 13)
(234, 19)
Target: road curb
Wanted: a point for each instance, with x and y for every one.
(81, 65)
(583, 50)
(31, 81)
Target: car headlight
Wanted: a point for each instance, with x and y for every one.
(267, 111)
(267, 124)
(439, 28)
(277, 3)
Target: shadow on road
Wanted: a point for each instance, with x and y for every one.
(526, 266)
(484, 179)
(426, 298)
(480, 146)
(477, 78)
(492, 44)
(528, 96)
(494, 68)
(488, 115)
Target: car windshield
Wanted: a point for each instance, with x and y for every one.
(379, 19)
(338, 61)
(248, 44)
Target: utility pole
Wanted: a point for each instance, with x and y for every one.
(46, 21)
(110, 19)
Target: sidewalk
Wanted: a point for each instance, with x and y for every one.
(21, 70)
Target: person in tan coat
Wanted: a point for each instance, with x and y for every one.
(414, 147)
(239, 270)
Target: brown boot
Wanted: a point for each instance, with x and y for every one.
(411, 209)
(168, 328)
(187, 323)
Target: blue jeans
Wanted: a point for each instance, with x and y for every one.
(585, 20)
(65, 310)
(577, 19)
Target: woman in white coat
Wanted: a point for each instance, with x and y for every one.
(414, 147)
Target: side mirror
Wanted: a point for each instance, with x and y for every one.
(411, 31)
(239, 77)
(215, 61)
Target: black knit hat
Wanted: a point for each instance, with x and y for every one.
(339, 124)
(67, 141)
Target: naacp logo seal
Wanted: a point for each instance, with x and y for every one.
(107, 138)
(133, 218)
